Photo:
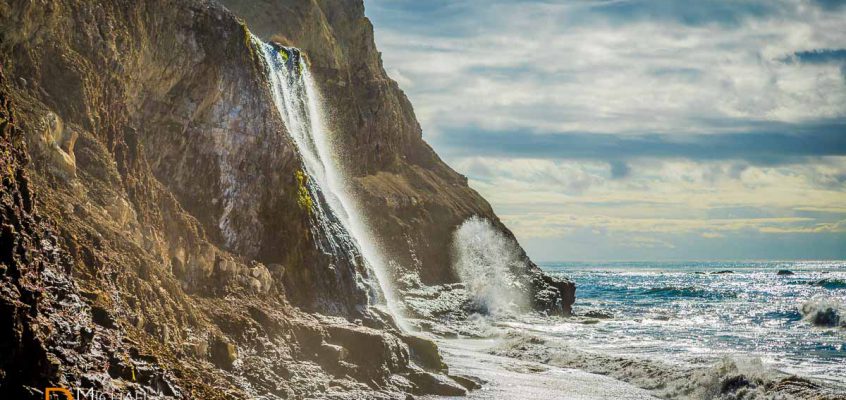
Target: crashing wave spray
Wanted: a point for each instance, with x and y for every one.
(486, 261)
(298, 102)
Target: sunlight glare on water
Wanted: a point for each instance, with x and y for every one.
(694, 313)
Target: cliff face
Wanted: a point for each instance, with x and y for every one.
(413, 199)
(155, 241)
(152, 233)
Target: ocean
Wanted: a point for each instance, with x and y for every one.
(697, 313)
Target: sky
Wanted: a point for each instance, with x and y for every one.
(636, 130)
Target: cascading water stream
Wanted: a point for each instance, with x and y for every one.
(342, 225)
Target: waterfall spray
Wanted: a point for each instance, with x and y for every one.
(298, 101)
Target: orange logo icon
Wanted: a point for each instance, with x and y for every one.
(67, 394)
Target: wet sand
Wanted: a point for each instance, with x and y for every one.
(508, 378)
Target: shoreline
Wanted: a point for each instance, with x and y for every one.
(512, 379)
(729, 378)
(519, 365)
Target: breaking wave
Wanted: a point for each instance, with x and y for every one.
(830, 283)
(728, 378)
(824, 312)
(687, 291)
(487, 262)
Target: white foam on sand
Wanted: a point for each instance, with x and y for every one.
(507, 378)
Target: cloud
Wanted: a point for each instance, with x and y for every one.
(568, 222)
(832, 227)
(830, 5)
(543, 198)
(723, 122)
(771, 143)
(547, 67)
(696, 13)
(835, 57)
(647, 242)
(821, 56)
(619, 169)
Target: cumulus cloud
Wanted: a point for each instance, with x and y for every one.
(610, 67)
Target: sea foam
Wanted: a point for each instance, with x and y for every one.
(824, 312)
(486, 261)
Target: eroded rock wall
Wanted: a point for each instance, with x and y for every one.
(152, 234)
(155, 242)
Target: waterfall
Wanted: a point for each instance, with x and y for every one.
(337, 218)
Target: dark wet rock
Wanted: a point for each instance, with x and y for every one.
(374, 352)
(823, 312)
(47, 331)
(427, 382)
(102, 317)
(469, 382)
(424, 352)
(726, 271)
(802, 388)
(598, 314)
(441, 330)
(562, 302)
(830, 283)
(734, 383)
(826, 317)
(785, 272)
(223, 353)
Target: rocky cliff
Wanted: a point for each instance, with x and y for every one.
(153, 233)
(413, 199)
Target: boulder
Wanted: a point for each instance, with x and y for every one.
(469, 382)
(441, 385)
(424, 352)
(376, 353)
(567, 290)
(598, 314)
(332, 353)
